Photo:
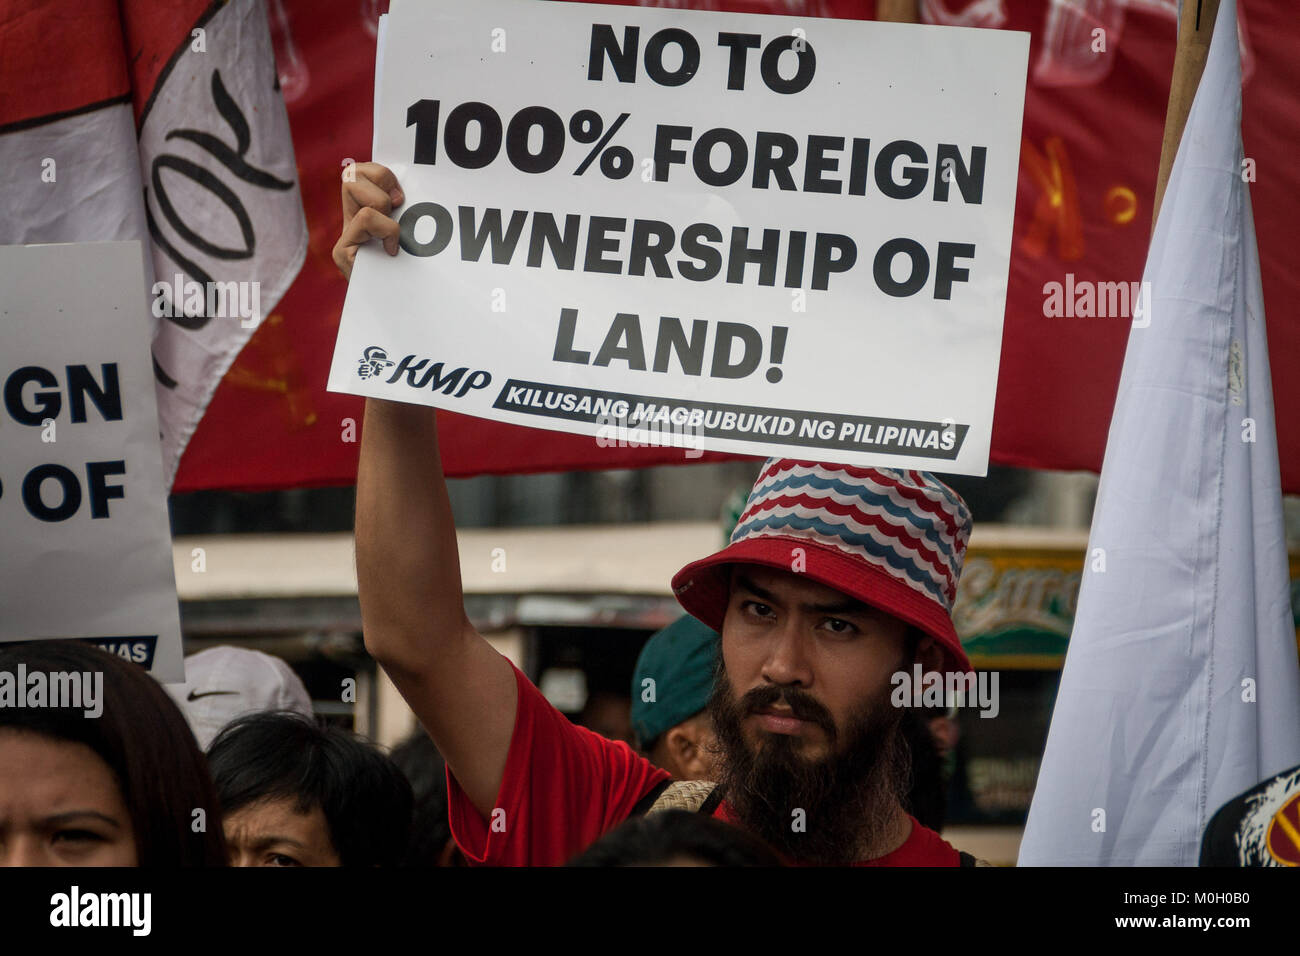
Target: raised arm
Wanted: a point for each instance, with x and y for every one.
(408, 566)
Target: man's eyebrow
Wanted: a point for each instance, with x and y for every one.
(71, 816)
(845, 605)
(746, 582)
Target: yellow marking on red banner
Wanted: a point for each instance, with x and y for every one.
(1283, 837)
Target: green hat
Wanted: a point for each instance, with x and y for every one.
(673, 677)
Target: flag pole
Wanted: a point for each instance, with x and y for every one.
(1195, 28)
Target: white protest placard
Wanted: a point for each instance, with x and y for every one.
(747, 233)
(85, 546)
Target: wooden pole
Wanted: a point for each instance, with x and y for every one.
(898, 11)
(1195, 28)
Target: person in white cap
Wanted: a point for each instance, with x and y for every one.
(225, 682)
(836, 580)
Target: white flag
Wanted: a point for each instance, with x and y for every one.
(1181, 686)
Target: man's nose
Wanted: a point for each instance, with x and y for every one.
(787, 662)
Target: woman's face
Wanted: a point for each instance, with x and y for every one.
(60, 805)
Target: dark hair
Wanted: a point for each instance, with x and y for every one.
(364, 797)
(659, 838)
(425, 770)
(911, 641)
(926, 797)
(144, 739)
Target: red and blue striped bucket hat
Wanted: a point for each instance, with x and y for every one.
(889, 538)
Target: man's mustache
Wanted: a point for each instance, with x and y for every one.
(803, 705)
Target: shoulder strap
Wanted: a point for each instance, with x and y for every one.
(645, 803)
(711, 802)
(691, 795)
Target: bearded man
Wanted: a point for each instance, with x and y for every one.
(836, 578)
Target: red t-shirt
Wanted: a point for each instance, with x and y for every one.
(564, 786)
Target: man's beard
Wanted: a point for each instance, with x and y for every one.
(849, 799)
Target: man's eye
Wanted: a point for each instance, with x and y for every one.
(838, 626)
(279, 859)
(754, 607)
(77, 836)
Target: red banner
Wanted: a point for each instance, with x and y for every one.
(1094, 117)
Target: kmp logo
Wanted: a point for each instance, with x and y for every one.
(420, 374)
(373, 362)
